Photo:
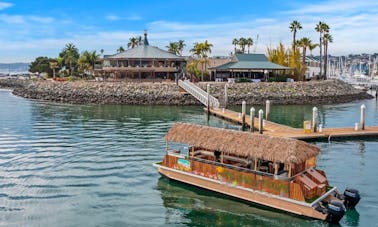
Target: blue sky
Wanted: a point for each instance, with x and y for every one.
(29, 29)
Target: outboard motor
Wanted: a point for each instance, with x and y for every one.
(351, 197)
(335, 210)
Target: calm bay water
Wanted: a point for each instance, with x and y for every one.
(91, 165)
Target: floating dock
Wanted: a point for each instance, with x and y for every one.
(275, 129)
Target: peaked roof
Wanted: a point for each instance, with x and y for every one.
(243, 144)
(250, 61)
(145, 51)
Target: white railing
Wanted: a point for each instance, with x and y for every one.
(198, 93)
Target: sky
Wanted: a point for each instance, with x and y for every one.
(29, 29)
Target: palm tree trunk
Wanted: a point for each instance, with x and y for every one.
(320, 60)
(325, 60)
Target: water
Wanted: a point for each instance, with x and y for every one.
(90, 165)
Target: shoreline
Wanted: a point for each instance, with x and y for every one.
(157, 93)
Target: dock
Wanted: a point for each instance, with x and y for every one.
(275, 129)
(271, 128)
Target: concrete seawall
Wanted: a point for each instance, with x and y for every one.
(80, 92)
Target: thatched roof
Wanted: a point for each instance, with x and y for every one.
(243, 144)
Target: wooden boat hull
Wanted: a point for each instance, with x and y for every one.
(262, 198)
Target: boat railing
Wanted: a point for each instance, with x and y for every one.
(234, 167)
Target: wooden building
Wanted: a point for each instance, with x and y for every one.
(254, 67)
(142, 62)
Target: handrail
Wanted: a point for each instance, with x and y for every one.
(198, 93)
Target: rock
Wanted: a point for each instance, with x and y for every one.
(84, 92)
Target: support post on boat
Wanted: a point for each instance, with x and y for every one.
(275, 172)
(208, 101)
(252, 116)
(362, 117)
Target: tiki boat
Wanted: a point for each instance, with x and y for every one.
(272, 171)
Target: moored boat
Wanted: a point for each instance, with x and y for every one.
(275, 172)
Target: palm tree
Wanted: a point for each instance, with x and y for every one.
(321, 28)
(120, 49)
(53, 66)
(133, 42)
(87, 61)
(294, 27)
(235, 42)
(201, 50)
(173, 48)
(327, 38)
(304, 43)
(70, 55)
(242, 44)
(249, 43)
(181, 46)
(312, 47)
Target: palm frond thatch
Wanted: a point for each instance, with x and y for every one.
(243, 144)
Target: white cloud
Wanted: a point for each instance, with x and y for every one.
(12, 19)
(112, 17)
(43, 20)
(132, 17)
(4, 5)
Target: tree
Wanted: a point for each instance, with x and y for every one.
(327, 38)
(41, 65)
(288, 57)
(176, 47)
(304, 43)
(312, 47)
(120, 49)
(181, 44)
(242, 43)
(53, 66)
(173, 48)
(321, 28)
(201, 50)
(294, 27)
(87, 61)
(235, 42)
(134, 42)
(249, 43)
(70, 55)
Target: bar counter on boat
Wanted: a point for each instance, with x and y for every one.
(272, 171)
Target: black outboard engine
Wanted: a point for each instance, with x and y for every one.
(351, 197)
(335, 210)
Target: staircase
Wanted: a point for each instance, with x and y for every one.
(198, 93)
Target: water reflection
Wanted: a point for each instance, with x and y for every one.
(352, 217)
(204, 208)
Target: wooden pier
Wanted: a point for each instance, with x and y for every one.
(275, 129)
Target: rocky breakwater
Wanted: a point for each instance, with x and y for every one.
(312, 92)
(83, 92)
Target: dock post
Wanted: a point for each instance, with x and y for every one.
(267, 109)
(252, 116)
(208, 101)
(314, 119)
(261, 121)
(225, 95)
(243, 114)
(362, 118)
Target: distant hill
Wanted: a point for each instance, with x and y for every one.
(13, 67)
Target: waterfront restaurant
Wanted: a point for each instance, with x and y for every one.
(143, 62)
(254, 67)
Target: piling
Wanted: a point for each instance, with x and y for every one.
(314, 119)
(267, 109)
(225, 95)
(261, 121)
(243, 114)
(252, 116)
(362, 117)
